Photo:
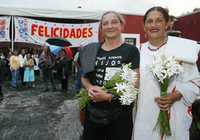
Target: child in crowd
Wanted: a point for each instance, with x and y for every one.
(29, 75)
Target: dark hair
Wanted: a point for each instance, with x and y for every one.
(194, 128)
(163, 11)
(196, 110)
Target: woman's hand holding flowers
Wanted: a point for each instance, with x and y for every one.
(97, 94)
(165, 102)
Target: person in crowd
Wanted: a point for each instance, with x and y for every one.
(181, 92)
(14, 68)
(1, 92)
(6, 68)
(195, 126)
(2, 66)
(62, 70)
(22, 57)
(8, 75)
(29, 76)
(98, 61)
(70, 56)
(47, 63)
(77, 71)
(36, 64)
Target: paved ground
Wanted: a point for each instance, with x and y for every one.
(30, 114)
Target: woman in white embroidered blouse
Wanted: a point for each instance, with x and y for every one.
(181, 91)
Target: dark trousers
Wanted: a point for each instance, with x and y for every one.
(120, 129)
(64, 84)
(48, 76)
(21, 72)
(1, 93)
(78, 81)
(37, 73)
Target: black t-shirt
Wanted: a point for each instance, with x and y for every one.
(109, 62)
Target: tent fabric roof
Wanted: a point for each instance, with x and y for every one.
(75, 9)
(73, 14)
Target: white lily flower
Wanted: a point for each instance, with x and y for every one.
(120, 87)
(165, 67)
(128, 92)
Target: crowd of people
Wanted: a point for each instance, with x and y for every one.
(105, 117)
(24, 68)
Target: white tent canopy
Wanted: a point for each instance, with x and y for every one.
(76, 9)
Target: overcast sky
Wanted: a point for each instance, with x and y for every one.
(176, 7)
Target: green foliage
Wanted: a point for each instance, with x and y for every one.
(110, 84)
(109, 87)
(83, 98)
(163, 119)
(163, 124)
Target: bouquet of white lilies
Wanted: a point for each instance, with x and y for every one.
(164, 68)
(121, 85)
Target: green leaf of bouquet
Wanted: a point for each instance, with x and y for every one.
(164, 85)
(83, 98)
(115, 79)
(113, 91)
(162, 124)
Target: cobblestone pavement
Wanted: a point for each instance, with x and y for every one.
(30, 114)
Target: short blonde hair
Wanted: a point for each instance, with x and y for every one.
(119, 16)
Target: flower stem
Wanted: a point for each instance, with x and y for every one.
(163, 118)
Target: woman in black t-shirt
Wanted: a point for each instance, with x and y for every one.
(106, 118)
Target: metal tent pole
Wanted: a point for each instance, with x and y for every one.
(12, 35)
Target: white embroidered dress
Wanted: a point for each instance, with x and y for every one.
(147, 108)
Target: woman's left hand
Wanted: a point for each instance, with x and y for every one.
(165, 102)
(100, 95)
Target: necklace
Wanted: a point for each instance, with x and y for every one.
(157, 48)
